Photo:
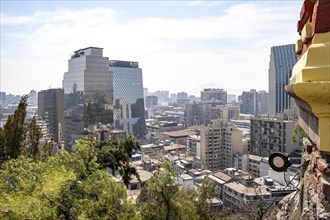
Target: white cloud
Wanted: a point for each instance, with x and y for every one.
(235, 48)
(15, 20)
(204, 3)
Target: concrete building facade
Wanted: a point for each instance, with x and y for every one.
(208, 95)
(253, 102)
(219, 142)
(271, 134)
(51, 110)
(151, 101)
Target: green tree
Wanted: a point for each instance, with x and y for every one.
(46, 150)
(13, 134)
(116, 155)
(298, 135)
(202, 199)
(33, 137)
(66, 186)
(203, 202)
(161, 199)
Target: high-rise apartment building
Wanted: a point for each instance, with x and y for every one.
(219, 142)
(208, 95)
(253, 102)
(248, 102)
(282, 60)
(128, 97)
(197, 113)
(88, 92)
(262, 102)
(271, 134)
(51, 110)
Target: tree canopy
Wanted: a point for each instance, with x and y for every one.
(160, 198)
(66, 186)
(12, 135)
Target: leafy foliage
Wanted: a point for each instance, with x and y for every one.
(33, 136)
(17, 138)
(66, 186)
(13, 134)
(298, 135)
(116, 155)
(161, 199)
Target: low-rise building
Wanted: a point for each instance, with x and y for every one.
(237, 195)
(254, 165)
(177, 137)
(219, 179)
(186, 181)
(154, 151)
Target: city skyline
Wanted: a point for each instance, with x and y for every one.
(181, 45)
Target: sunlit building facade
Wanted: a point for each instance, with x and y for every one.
(88, 91)
(51, 109)
(282, 60)
(128, 97)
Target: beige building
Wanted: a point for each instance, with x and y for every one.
(219, 142)
(236, 194)
(254, 165)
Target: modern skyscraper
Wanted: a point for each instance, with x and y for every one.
(51, 110)
(282, 60)
(88, 91)
(128, 97)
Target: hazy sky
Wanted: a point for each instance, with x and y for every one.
(179, 45)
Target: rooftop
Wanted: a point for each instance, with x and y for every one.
(186, 177)
(180, 133)
(249, 191)
(255, 157)
(174, 147)
(222, 176)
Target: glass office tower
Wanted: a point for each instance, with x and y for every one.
(88, 92)
(282, 60)
(128, 97)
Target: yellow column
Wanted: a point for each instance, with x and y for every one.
(311, 83)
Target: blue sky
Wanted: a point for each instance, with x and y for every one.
(180, 45)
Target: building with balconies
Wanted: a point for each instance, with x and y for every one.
(269, 135)
(219, 142)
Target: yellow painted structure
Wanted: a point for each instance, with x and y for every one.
(311, 83)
